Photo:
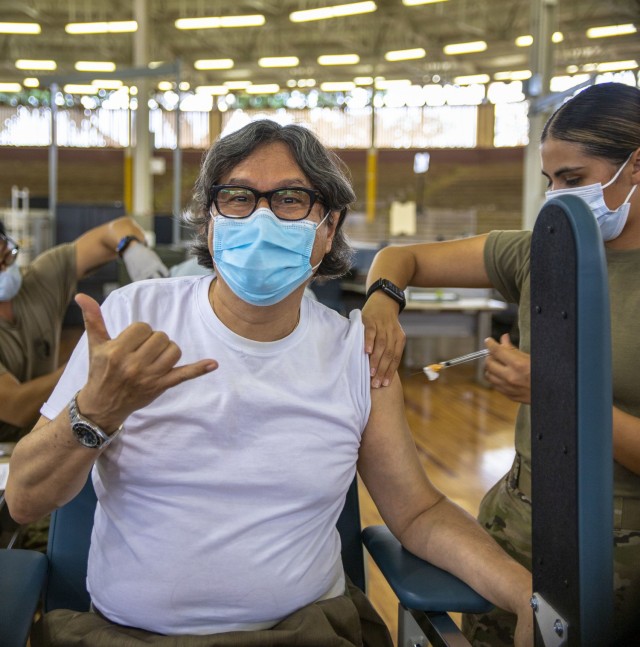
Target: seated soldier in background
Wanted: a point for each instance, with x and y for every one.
(33, 301)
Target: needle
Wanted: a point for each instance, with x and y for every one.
(433, 370)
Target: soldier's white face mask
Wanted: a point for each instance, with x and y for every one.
(610, 221)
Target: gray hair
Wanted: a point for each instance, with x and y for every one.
(324, 169)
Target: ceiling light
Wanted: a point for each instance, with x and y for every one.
(557, 37)
(27, 64)
(165, 86)
(611, 30)
(107, 84)
(113, 27)
(465, 48)
(74, 88)
(405, 54)
(95, 66)
(214, 64)
(470, 79)
(337, 11)
(338, 59)
(337, 86)
(391, 84)
(265, 88)
(278, 61)
(414, 3)
(31, 82)
(237, 85)
(572, 69)
(10, 87)
(212, 89)
(363, 80)
(616, 66)
(524, 41)
(19, 28)
(519, 75)
(215, 22)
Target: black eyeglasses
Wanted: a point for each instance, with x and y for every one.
(287, 203)
(13, 248)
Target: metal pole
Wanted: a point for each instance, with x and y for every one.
(53, 156)
(372, 165)
(177, 168)
(542, 18)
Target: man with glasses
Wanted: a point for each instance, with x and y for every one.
(220, 481)
(33, 301)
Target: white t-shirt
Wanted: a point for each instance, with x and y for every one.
(218, 502)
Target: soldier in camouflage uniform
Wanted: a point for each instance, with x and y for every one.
(594, 139)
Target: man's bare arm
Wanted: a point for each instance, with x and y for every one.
(425, 521)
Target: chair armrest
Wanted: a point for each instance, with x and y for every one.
(417, 584)
(22, 576)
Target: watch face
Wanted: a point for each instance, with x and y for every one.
(86, 435)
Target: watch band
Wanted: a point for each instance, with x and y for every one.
(124, 243)
(87, 433)
(391, 290)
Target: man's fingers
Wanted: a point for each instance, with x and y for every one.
(189, 372)
(93, 320)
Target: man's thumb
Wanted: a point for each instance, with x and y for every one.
(93, 321)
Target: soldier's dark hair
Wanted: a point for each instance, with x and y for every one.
(603, 119)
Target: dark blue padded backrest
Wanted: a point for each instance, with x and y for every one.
(571, 435)
(68, 550)
(70, 536)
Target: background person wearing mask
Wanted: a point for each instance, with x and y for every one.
(590, 148)
(231, 473)
(33, 301)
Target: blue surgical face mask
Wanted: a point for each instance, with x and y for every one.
(261, 258)
(10, 282)
(610, 221)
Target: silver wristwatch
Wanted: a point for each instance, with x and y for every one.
(87, 433)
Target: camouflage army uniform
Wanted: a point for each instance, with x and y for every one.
(505, 510)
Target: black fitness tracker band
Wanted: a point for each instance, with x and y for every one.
(391, 290)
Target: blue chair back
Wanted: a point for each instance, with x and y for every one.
(70, 537)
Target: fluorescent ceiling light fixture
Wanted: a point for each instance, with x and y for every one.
(465, 48)
(611, 30)
(415, 3)
(95, 66)
(363, 80)
(113, 27)
(19, 28)
(524, 41)
(470, 79)
(405, 54)
(218, 90)
(220, 22)
(214, 64)
(165, 86)
(616, 66)
(279, 61)
(10, 87)
(31, 82)
(264, 88)
(338, 59)
(237, 85)
(74, 88)
(518, 75)
(29, 64)
(336, 11)
(337, 86)
(107, 84)
(391, 84)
